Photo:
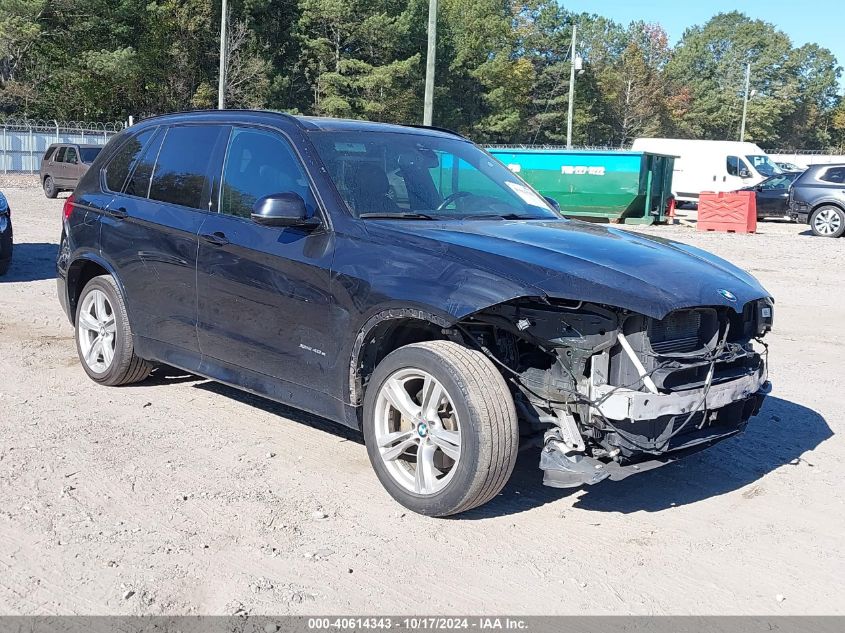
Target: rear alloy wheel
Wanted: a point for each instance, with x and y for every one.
(103, 335)
(440, 427)
(828, 221)
(50, 187)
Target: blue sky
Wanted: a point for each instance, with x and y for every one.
(820, 21)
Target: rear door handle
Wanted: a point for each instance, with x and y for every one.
(217, 238)
(118, 213)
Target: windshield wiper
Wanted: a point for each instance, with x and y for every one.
(396, 216)
(497, 216)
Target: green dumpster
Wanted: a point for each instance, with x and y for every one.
(609, 186)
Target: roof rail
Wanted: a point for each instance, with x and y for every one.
(433, 127)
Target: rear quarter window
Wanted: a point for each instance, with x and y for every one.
(49, 153)
(835, 175)
(121, 164)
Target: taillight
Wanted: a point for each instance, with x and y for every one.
(68, 208)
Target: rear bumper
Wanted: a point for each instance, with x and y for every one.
(5, 238)
(61, 290)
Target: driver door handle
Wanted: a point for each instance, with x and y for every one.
(218, 238)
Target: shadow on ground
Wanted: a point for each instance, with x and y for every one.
(778, 436)
(282, 410)
(32, 262)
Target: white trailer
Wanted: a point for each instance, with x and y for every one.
(710, 165)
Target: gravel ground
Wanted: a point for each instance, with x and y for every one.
(182, 496)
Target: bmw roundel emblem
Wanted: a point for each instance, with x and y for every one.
(727, 294)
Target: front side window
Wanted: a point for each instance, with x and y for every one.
(733, 166)
(410, 174)
(182, 169)
(258, 164)
(122, 162)
(70, 156)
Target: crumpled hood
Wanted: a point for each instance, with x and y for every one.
(581, 261)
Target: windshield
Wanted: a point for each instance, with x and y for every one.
(88, 154)
(419, 175)
(764, 165)
(781, 181)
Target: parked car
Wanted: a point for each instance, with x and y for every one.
(710, 165)
(64, 164)
(789, 166)
(817, 198)
(403, 282)
(6, 244)
(773, 195)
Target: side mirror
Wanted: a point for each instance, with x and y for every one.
(282, 209)
(554, 203)
(744, 173)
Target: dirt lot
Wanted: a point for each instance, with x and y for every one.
(183, 496)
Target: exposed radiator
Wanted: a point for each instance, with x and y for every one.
(677, 333)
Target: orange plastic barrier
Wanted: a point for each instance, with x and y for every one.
(732, 212)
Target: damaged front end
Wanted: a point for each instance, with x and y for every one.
(613, 392)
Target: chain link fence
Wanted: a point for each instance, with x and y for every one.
(24, 141)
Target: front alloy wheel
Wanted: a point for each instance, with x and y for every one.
(417, 431)
(440, 427)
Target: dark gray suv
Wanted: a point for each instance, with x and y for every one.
(817, 198)
(404, 282)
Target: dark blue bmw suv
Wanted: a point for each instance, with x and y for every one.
(401, 281)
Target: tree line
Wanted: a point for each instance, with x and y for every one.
(502, 72)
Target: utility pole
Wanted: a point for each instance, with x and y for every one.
(221, 82)
(745, 101)
(571, 90)
(428, 101)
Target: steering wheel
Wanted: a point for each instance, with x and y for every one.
(451, 198)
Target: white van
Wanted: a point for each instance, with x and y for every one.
(710, 165)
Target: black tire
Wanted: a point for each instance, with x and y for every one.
(50, 189)
(833, 224)
(488, 425)
(125, 367)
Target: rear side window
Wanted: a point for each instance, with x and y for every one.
(50, 152)
(60, 155)
(835, 175)
(181, 172)
(70, 156)
(259, 164)
(123, 161)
